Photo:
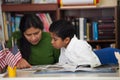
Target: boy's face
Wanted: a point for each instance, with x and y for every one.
(57, 42)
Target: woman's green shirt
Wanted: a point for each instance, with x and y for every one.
(42, 53)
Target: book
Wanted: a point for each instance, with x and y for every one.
(106, 26)
(82, 28)
(49, 18)
(77, 2)
(95, 30)
(49, 69)
(64, 4)
(43, 1)
(17, 21)
(1, 33)
(1, 26)
(89, 31)
(76, 24)
(78, 6)
(45, 21)
(107, 19)
(106, 37)
(8, 18)
(5, 27)
(16, 1)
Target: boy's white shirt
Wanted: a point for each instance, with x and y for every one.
(78, 52)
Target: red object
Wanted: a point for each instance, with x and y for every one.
(13, 57)
(2, 57)
(2, 62)
(97, 1)
(58, 1)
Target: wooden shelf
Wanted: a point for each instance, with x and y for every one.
(101, 41)
(29, 7)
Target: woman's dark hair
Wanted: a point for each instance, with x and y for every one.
(63, 29)
(28, 21)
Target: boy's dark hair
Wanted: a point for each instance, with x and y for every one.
(62, 28)
(28, 21)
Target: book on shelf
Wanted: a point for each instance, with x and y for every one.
(74, 7)
(11, 24)
(107, 19)
(77, 3)
(82, 28)
(103, 33)
(1, 33)
(80, 24)
(75, 23)
(76, 20)
(16, 1)
(106, 30)
(43, 1)
(106, 26)
(106, 37)
(17, 21)
(95, 30)
(1, 26)
(89, 31)
(49, 18)
(5, 27)
(46, 19)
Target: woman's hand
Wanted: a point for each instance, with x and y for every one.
(22, 63)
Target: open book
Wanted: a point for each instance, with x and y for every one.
(73, 69)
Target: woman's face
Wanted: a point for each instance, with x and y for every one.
(33, 35)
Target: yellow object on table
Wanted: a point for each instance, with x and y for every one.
(11, 71)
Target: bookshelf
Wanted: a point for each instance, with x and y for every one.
(107, 16)
(11, 10)
(90, 13)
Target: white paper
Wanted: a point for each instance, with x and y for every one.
(77, 1)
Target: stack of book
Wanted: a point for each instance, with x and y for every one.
(106, 28)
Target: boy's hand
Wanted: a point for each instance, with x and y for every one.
(117, 55)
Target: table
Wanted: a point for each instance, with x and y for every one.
(30, 75)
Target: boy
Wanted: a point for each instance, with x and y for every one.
(77, 52)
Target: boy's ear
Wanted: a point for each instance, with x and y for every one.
(67, 40)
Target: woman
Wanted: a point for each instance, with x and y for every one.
(34, 44)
